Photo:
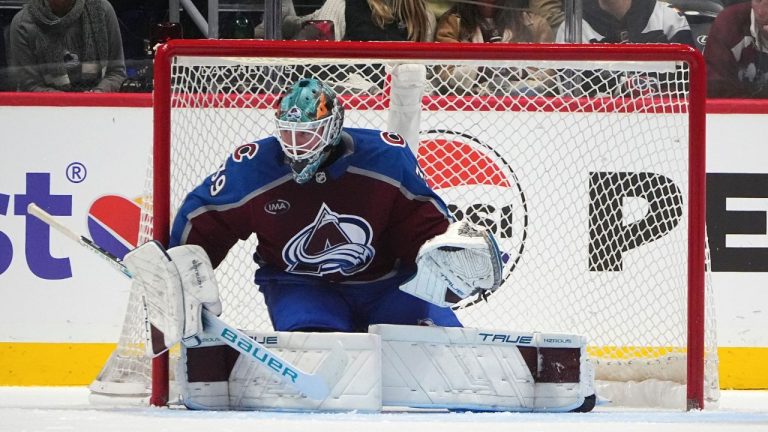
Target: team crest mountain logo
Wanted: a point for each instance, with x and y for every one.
(332, 243)
(293, 114)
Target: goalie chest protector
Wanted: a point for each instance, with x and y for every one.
(372, 204)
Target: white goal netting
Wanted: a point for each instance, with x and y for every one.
(582, 168)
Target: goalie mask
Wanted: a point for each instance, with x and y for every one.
(309, 121)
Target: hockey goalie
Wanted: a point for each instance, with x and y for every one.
(359, 263)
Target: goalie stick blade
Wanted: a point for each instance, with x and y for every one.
(315, 386)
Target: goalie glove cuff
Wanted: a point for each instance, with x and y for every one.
(433, 286)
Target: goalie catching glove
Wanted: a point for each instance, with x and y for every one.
(463, 262)
(175, 285)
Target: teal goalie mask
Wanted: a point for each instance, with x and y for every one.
(309, 121)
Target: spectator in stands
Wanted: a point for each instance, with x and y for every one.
(292, 22)
(551, 10)
(491, 21)
(631, 21)
(366, 20)
(67, 45)
(627, 21)
(389, 20)
(439, 7)
(737, 51)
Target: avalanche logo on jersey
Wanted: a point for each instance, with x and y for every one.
(333, 243)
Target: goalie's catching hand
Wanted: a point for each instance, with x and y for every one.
(463, 262)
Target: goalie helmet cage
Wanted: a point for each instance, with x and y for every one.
(587, 161)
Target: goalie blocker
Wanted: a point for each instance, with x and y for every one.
(402, 366)
(176, 284)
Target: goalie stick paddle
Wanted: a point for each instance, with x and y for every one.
(46, 217)
(315, 386)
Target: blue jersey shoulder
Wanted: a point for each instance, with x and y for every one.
(248, 168)
(387, 154)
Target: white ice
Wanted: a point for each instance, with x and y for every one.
(58, 409)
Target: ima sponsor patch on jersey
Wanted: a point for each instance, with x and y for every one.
(332, 243)
(277, 206)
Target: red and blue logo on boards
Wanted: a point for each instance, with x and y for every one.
(477, 184)
(113, 224)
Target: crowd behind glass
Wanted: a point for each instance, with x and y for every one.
(106, 45)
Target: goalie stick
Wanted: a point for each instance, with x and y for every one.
(315, 386)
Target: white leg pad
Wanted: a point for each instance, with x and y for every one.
(465, 368)
(214, 376)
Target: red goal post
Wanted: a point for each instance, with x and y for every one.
(454, 116)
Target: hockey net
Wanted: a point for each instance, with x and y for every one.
(587, 162)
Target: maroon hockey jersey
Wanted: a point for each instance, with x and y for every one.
(362, 218)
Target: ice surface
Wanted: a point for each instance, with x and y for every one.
(67, 409)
